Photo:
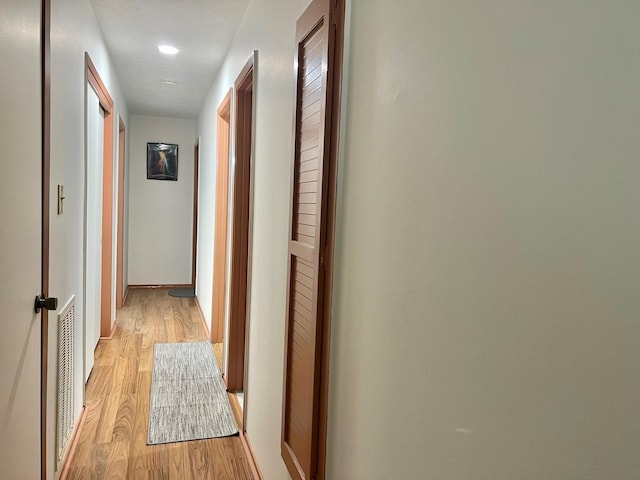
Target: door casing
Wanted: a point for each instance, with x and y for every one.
(120, 294)
(194, 242)
(221, 209)
(45, 54)
(106, 102)
(237, 336)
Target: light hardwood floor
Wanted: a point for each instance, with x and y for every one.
(112, 442)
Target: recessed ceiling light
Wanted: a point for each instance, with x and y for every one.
(169, 82)
(168, 49)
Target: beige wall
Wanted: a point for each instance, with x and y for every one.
(74, 30)
(486, 297)
(269, 27)
(161, 212)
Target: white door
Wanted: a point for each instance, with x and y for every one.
(20, 239)
(93, 260)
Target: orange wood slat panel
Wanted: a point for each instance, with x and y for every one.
(302, 309)
(310, 154)
(302, 334)
(312, 77)
(306, 219)
(304, 268)
(308, 176)
(309, 129)
(308, 187)
(305, 302)
(304, 291)
(306, 239)
(306, 230)
(307, 208)
(303, 279)
(308, 160)
(307, 198)
(309, 140)
(310, 98)
(311, 124)
(313, 50)
(316, 83)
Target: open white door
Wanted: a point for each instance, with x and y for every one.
(93, 267)
(21, 239)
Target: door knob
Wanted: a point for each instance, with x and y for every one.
(50, 303)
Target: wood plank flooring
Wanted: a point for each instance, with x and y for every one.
(112, 442)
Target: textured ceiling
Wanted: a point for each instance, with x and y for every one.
(201, 29)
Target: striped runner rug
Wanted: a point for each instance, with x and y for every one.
(188, 397)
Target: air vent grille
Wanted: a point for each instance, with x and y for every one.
(66, 367)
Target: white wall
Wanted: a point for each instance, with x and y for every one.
(486, 298)
(269, 27)
(161, 211)
(74, 30)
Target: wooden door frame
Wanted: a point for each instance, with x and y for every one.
(120, 295)
(45, 85)
(325, 297)
(338, 13)
(194, 245)
(106, 102)
(237, 336)
(221, 217)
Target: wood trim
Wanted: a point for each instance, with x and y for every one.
(113, 330)
(251, 457)
(45, 120)
(338, 15)
(221, 214)
(237, 338)
(204, 321)
(245, 402)
(194, 245)
(158, 285)
(126, 295)
(120, 228)
(98, 85)
(64, 473)
(106, 102)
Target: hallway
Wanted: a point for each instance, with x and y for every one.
(112, 443)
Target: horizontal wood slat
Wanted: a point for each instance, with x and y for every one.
(310, 155)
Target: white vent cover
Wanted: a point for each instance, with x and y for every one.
(66, 392)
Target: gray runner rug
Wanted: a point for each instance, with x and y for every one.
(188, 397)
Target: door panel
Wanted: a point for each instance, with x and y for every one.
(93, 261)
(20, 237)
(303, 352)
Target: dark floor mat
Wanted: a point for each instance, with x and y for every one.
(182, 292)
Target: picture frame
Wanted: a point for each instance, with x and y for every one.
(162, 161)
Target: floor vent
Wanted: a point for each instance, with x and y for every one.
(66, 366)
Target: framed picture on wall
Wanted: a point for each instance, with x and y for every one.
(162, 161)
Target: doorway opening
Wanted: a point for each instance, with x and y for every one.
(120, 287)
(238, 332)
(194, 248)
(98, 230)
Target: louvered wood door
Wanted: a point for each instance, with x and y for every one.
(307, 240)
